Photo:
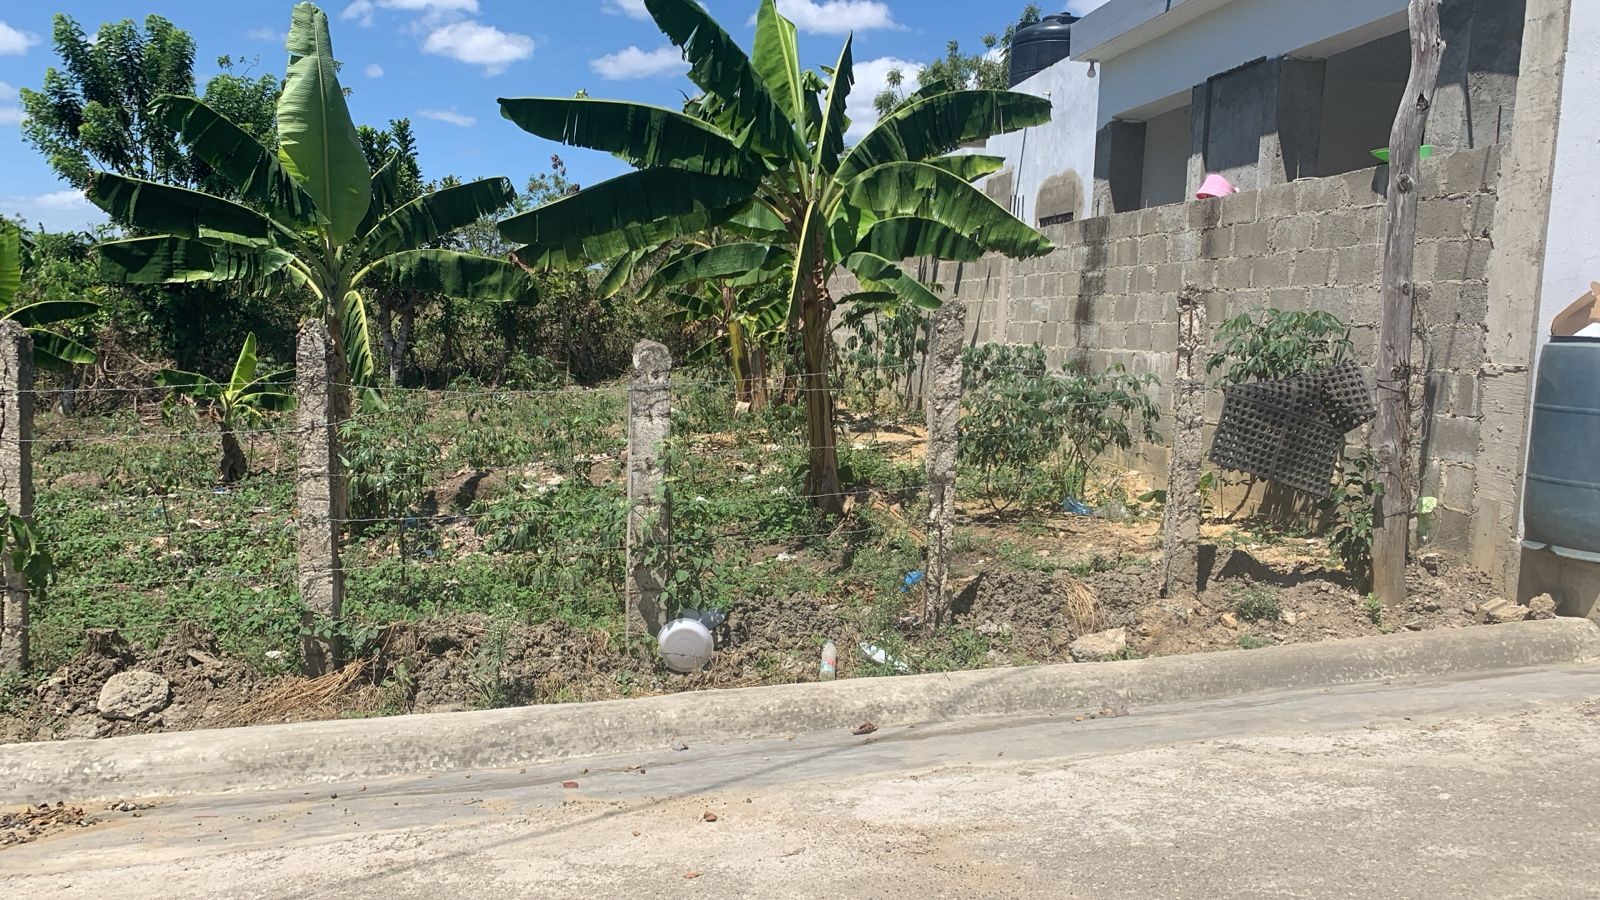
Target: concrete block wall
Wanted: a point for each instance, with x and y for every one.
(1108, 294)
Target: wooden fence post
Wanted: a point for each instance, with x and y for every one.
(649, 506)
(1392, 431)
(943, 400)
(1180, 521)
(16, 481)
(321, 492)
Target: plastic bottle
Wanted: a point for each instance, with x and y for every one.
(830, 661)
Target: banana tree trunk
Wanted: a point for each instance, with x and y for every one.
(399, 359)
(758, 377)
(233, 466)
(822, 479)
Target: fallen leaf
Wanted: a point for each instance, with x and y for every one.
(637, 833)
(864, 728)
(709, 816)
(691, 874)
(569, 785)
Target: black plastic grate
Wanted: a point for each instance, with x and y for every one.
(1292, 430)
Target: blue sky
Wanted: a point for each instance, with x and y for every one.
(444, 62)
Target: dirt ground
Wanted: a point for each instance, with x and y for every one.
(1052, 584)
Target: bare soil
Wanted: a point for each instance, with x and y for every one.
(1051, 584)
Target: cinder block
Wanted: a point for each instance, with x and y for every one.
(1154, 249)
(1234, 273)
(1443, 219)
(1142, 280)
(1467, 171)
(1457, 486)
(1458, 348)
(1357, 265)
(1169, 277)
(1164, 337)
(1313, 268)
(1125, 252)
(1366, 187)
(1048, 332)
(1032, 286)
(1239, 208)
(1158, 308)
(1277, 201)
(1137, 336)
(1125, 309)
(1289, 299)
(1149, 221)
(1454, 439)
(1185, 245)
(1292, 234)
(1317, 195)
(1202, 273)
(1123, 225)
(1272, 271)
(1204, 213)
(1250, 239)
(1345, 228)
(1071, 283)
(1459, 260)
(1480, 221)
(1172, 218)
(1216, 243)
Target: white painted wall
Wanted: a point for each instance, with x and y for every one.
(1065, 144)
(1572, 254)
(1235, 33)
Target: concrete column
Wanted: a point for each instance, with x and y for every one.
(1180, 522)
(944, 413)
(1478, 77)
(1516, 280)
(649, 509)
(16, 482)
(1260, 124)
(321, 493)
(1118, 167)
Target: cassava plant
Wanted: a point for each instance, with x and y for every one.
(244, 400)
(762, 151)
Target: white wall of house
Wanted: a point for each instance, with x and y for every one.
(1057, 152)
(1197, 39)
(1572, 254)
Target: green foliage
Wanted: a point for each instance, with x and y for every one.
(387, 461)
(878, 354)
(1020, 419)
(1252, 642)
(1278, 344)
(1256, 603)
(1373, 608)
(1356, 494)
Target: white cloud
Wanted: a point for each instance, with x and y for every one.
(66, 210)
(271, 35)
(15, 42)
(479, 44)
(872, 77)
(434, 11)
(7, 92)
(450, 116)
(633, 9)
(636, 63)
(10, 115)
(838, 16)
(373, 70)
(1084, 7)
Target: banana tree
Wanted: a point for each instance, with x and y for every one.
(312, 215)
(51, 348)
(764, 147)
(242, 401)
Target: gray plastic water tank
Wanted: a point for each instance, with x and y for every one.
(1041, 45)
(1561, 506)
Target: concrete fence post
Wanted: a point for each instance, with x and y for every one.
(1180, 523)
(649, 506)
(321, 494)
(16, 482)
(943, 400)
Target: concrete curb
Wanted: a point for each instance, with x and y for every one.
(276, 757)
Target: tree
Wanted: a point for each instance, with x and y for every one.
(319, 220)
(50, 347)
(397, 306)
(762, 152)
(989, 70)
(242, 401)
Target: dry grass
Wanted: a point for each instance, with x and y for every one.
(1081, 605)
(302, 699)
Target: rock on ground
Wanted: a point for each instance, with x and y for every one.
(1542, 607)
(129, 695)
(1100, 645)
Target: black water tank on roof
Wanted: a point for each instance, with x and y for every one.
(1041, 45)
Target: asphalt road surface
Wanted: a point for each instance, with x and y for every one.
(1478, 787)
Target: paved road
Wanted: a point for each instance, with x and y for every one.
(1482, 787)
